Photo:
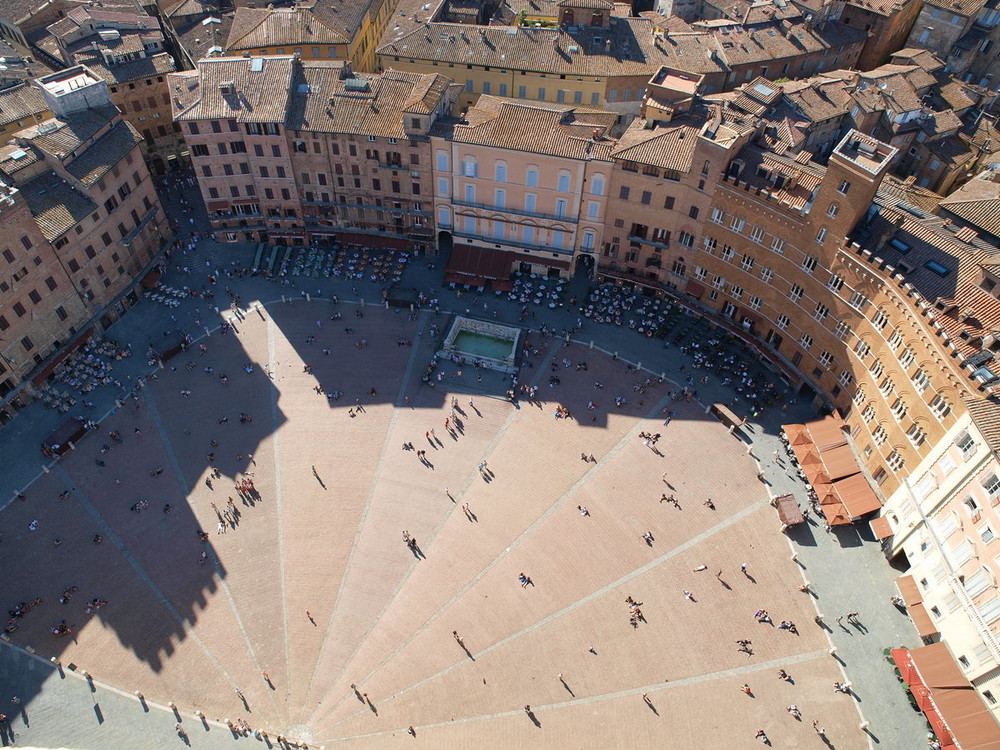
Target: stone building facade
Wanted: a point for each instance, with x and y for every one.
(87, 226)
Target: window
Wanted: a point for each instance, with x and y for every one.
(845, 186)
(877, 368)
(825, 359)
(916, 435)
(806, 341)
(710, 244)
(940, 406)
(717, 216)
(441, 161)
(746, 263)
(529, 202)
(832, 210)
(470, 168)
(563, 183)
(757, 235)
(499, 198)
(27, 343)
(868, 414)
(821, 235)
(992, 486)
(821, 312)
(700, 273)
(693, 212)
(795, 293)
(782, 321)
(737, 224)
(597, 185)
(531, 177)
(686, 239)
(986, 534)
(593, 209)
(735, 292)
(623, 192)
(727, 252)
(500, 172)
(777, 245)
(895, 461)
(808, 264)
(718, 282)
(646, 197)
(755, 303)
(766, 273)
(966, 444)
(907, 358)
(880, 436)
(842, 331)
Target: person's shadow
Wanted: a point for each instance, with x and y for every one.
(534, 719)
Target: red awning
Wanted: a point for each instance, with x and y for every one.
(480, 262)
(551, 262)
(151, 279)
(694, 289)
(881, 528)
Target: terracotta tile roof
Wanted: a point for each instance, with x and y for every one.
(820, 99)
(154, 65)
(100, 156)
(961, 7)
(800, 178)
(322, 101)
(783, 40)
(922, 57)
(59, 137)
(670, 146)
(985, 412)
(14, 158)
(977, 203)
(588, 4)
(56, 205)
(537, 127)
(260, 89)
(881, 7)
(331, 22)
(625, 49)
(203, 35)
(938, 123)
(16, 11)
(909, 192)
(191, 8)
(20, 102)
(954, 94)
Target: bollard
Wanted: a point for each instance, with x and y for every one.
(29, 649)
(638, 365)
(283, 300)
(171, 705)
(795, 557)
(207, 332)
(45, 469)
(84, 673)
(72, 447)
(591, 343)
(55, 661)
(307, 297)
(833, 651)
(139, 695)
(362, 301)
(863, 726)
(387, 304)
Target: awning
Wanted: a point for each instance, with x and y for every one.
(922, 621)
(840, 462)
(151, 279)
(857, 495)
(551, 262)
(909, 591)
(955, 711)
(503, 285)
(480, 262)
(881, 528)
(828, 433)
(373, 240)
(789, 512)
(694, 289)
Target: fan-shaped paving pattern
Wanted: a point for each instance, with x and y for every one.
(313, 584)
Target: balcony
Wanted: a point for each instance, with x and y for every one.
(644, 241)
(517, 212)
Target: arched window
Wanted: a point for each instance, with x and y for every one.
(531, 177)
(470, 167)
(563, 185)
(597, 184)
(441, 159)
(500, 172)
(680, 268)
